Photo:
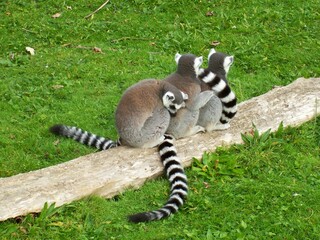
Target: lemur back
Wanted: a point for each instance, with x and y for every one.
(185, 79)
(215, 78)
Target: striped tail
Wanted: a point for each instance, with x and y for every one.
(178, 183)
(84, 137)
(224, 92)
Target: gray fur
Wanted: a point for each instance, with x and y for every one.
(141, 117)
(210, 114)
(185, 79)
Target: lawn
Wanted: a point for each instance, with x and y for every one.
(82, 66)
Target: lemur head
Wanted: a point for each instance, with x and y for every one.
(188, 64)
(219, 63)
(174, 101)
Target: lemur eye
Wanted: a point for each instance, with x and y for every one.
(170, 96)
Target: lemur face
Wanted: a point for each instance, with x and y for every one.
(170, 102)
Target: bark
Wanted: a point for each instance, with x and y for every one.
(110, 172)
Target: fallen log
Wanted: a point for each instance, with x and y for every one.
(108, 173)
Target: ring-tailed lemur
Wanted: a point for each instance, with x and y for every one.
(185, 79)
(142, 118)
(138, 124)
(215, 77)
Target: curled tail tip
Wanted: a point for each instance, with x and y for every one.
(139, 217)
(57, 129)
(149, 216)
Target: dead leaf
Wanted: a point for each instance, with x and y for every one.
(69, 8)
(216, 163)
(206, 185)
(57, 15)
(11, 56)
(18, 219)
(55, 143)
(209, 14)
(30, 50)
(57, 86)
(56, 224)
(66, 45)
(214, 43)
(23, 230)
(97, 50)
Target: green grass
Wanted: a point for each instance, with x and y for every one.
(265, 189)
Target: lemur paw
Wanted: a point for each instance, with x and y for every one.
(220, 126)
(198, 129)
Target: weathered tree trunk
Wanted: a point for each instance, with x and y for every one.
(108, 173)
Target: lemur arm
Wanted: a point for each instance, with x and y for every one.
(201, 100)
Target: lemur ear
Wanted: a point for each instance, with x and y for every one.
(177, 57)
(184, 96)
(200, 60)
(231, 59)
(212, 51)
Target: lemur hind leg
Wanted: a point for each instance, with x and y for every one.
(154, 129)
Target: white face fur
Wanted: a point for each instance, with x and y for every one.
(197, 64)
(227, 63)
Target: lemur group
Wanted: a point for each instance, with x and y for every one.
(154, 113)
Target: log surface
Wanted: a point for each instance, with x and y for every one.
(110, 172)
